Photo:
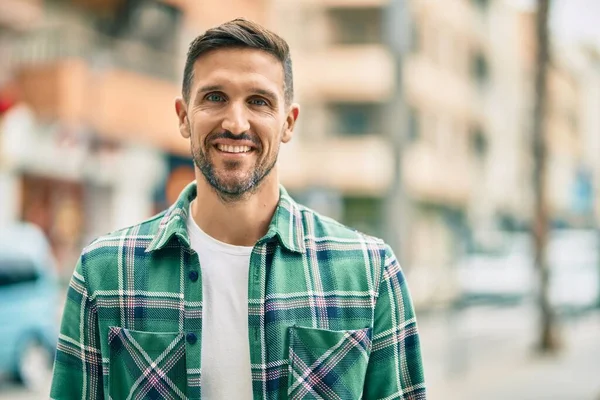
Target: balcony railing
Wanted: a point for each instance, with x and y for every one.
(61, 42)
(19, 14)
(362, 73)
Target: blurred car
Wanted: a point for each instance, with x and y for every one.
(506, 271)
(501, 272)
(574, 257)
(28, 297)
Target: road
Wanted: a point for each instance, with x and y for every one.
(489, 353)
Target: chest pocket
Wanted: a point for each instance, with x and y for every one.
(327, 364)
(145, 365)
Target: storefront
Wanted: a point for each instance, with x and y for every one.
(56, 206)
(73, 183)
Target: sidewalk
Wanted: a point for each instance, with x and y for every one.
(500, 362)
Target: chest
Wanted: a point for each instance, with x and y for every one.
(322, 287)
(318, 298)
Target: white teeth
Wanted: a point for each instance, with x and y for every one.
(233, 149)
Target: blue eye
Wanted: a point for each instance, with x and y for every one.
(258, 102)
(214, 97)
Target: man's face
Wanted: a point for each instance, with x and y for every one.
(236, 118)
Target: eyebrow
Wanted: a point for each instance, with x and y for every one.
(209, 88)
(264, 92)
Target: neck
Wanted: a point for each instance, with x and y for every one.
(240, 223)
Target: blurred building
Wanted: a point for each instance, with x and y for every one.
(82, 150)
(571, 127)
(467, 169)
(584, 61)
(346, 76)
(16, 18)
(91, 142)
(588, 72)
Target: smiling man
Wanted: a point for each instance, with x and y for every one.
(237, 291)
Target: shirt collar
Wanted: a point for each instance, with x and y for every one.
(286, 224)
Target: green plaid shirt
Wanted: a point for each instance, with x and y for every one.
(330, 316)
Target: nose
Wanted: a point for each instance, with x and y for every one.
(236, 120)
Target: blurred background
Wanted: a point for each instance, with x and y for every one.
(444, 127)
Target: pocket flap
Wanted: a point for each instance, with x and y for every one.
(325, 339)
(150, 341)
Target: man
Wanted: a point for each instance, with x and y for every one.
(236, 291)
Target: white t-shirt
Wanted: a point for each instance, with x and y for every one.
(224, 269)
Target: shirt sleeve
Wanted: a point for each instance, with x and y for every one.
(78, 364)
(395, 369)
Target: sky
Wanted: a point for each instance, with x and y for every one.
(572, 20)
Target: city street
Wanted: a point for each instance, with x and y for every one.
(487, 353)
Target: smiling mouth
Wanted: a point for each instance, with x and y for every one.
(233, 149)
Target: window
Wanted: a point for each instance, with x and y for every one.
(479, 69)
(356, 25)
(479, 143)
(356, 118)
(155, 24)
(481, 4)
(415, 38)
(414, 126)
(15, 270)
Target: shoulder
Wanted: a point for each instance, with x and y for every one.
(350, 253)
(104, 249)
(322, 229)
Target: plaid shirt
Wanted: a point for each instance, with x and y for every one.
(330, 316)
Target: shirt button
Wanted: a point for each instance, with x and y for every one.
(191, 338)
(193, 275)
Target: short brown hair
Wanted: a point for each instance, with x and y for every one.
(242, 33)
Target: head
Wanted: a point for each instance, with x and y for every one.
(236, 106)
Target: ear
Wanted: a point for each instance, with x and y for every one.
(182, 116)
(290, 122)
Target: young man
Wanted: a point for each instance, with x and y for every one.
(236, 291)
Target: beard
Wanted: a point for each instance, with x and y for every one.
(231, 184)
